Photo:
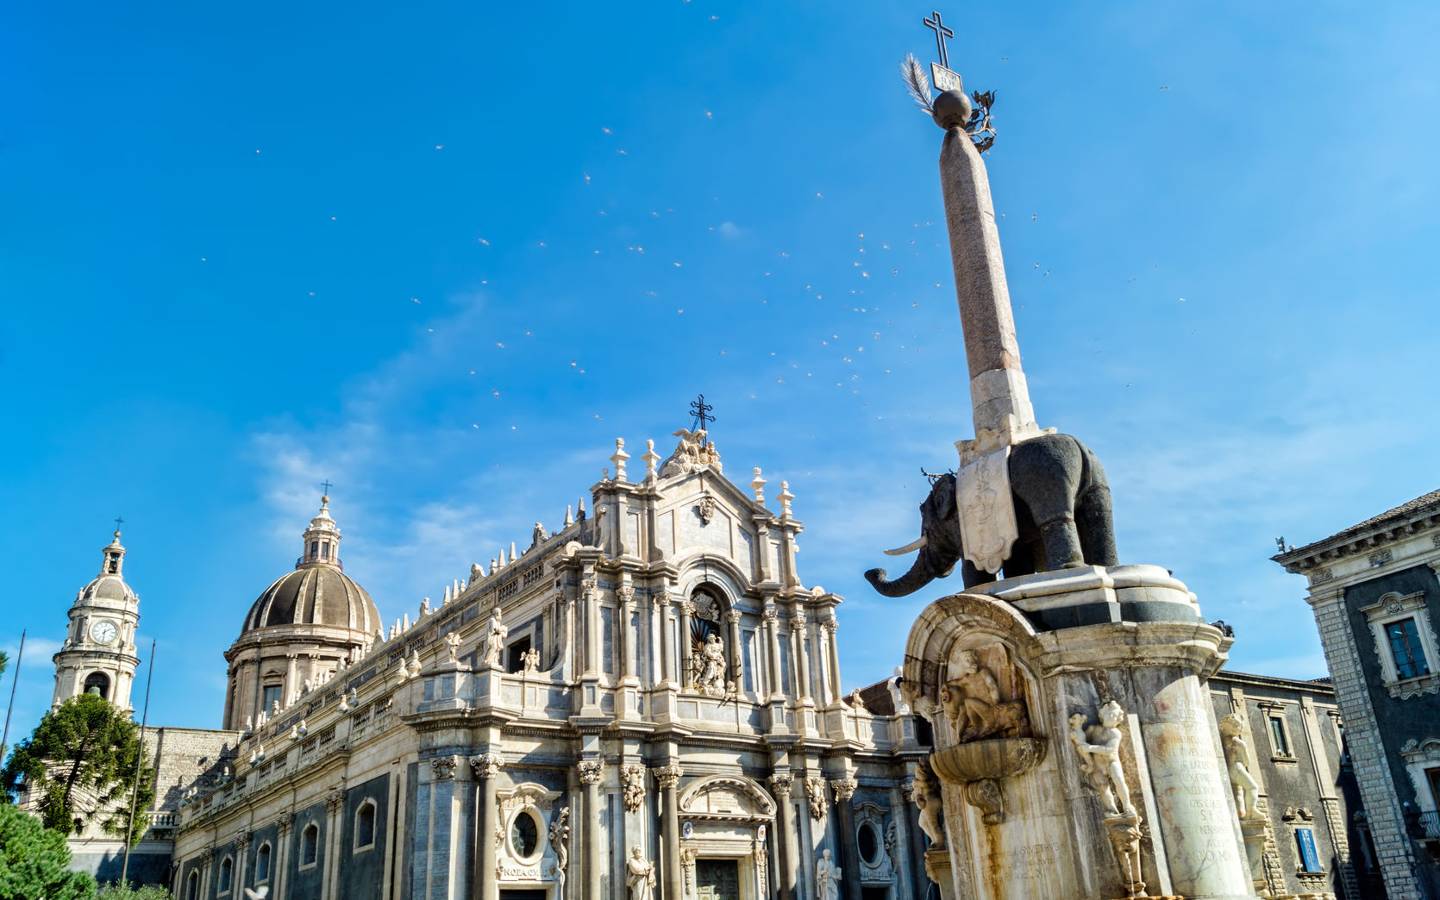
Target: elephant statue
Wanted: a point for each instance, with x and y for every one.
(1062, 510)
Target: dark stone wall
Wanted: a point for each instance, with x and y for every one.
(216, 857)
(1397, 720)
(268, 834)
(362, 872)
(305, 884)
(194, 864)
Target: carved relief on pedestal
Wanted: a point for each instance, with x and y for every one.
(985, 705)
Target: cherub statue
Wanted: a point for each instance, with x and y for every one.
(1247, 789)
(931, 807)
(640, 875)
(970, 698)
(532, 660)
(1098, 748)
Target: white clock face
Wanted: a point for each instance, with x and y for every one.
(103, 631)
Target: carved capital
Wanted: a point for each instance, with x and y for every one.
(830, 626)
(668, 776)
(242, 840)
(687, 606)
(626, 593)
(844, 789)
(284, 823)
(590, 770)
(334, 799)
(771, 614)
(443, 767)
(797, 619)
(781, 784)
(733, 616)
(486, 765)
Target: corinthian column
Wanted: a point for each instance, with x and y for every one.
(590, 771)
(668, 777)
(844, 789)
(789, 851)
(485, 768)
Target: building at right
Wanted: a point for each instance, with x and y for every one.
(1375, 591)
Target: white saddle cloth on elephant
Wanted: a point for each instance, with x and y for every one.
(986, 509)
(986, 512)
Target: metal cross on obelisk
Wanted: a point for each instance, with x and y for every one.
(942, 34)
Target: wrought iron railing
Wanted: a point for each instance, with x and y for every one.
(1425, 826)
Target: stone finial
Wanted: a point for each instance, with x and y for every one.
(569, 516)
(405, 622)
(652, 460)
(477, 572)
(513, 555)
(620, 458)
(757, 484)
(785, 499)
(580, 507)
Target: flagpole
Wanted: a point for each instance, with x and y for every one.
(139, 763)
(15, 680)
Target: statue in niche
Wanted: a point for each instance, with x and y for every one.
(827, 877)
(1098, 748)
(452, 645)
(495, 639)
(1247, 789)
(707, 665)
(640, 875)
(974, 703)
(927, 799)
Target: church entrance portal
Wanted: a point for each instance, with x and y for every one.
(522, 895)
(717, 879)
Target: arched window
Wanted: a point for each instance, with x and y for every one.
(309, 845)
(262, 863)
(98, 683)
(227, 872)
(365, 825)
(192, 886)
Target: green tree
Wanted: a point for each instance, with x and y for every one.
(78, 766)
(34, 861)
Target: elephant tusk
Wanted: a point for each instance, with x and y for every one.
(908, 548)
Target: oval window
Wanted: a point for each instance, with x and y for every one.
(524, 835)
(869, 839)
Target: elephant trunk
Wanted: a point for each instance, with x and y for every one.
(912, 581)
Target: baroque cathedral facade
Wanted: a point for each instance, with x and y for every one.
(645, 703)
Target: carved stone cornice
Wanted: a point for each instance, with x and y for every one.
(668, 776)
(590, 770)
(486, 765)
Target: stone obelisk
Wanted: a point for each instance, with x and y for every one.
(999, 396)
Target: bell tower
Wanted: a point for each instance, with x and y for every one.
(98, 655)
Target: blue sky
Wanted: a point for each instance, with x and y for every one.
(442, 255)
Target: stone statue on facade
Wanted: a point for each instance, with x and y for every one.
(707, 664)
(560, 844)
(495, 639)
(1247, 789)
(452, 645)
(639, 875)
(532, 660)
(694, 452)
(1098, 748)
(827, 877)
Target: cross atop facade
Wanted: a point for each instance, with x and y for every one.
(118, 522)
(700, 413)
(942, 34)
(326, 486)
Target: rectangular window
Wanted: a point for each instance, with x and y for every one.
(1405, 649)
(607, 640)
(1305, 843)
(269, 697)
(1279, 739)
(747, 663)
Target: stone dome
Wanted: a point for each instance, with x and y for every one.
(107, 587)
(314, 595)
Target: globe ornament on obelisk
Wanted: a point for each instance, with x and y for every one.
(1074, 747)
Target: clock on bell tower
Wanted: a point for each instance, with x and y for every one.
(98, 655)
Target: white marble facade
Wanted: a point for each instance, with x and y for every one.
(667, 694)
